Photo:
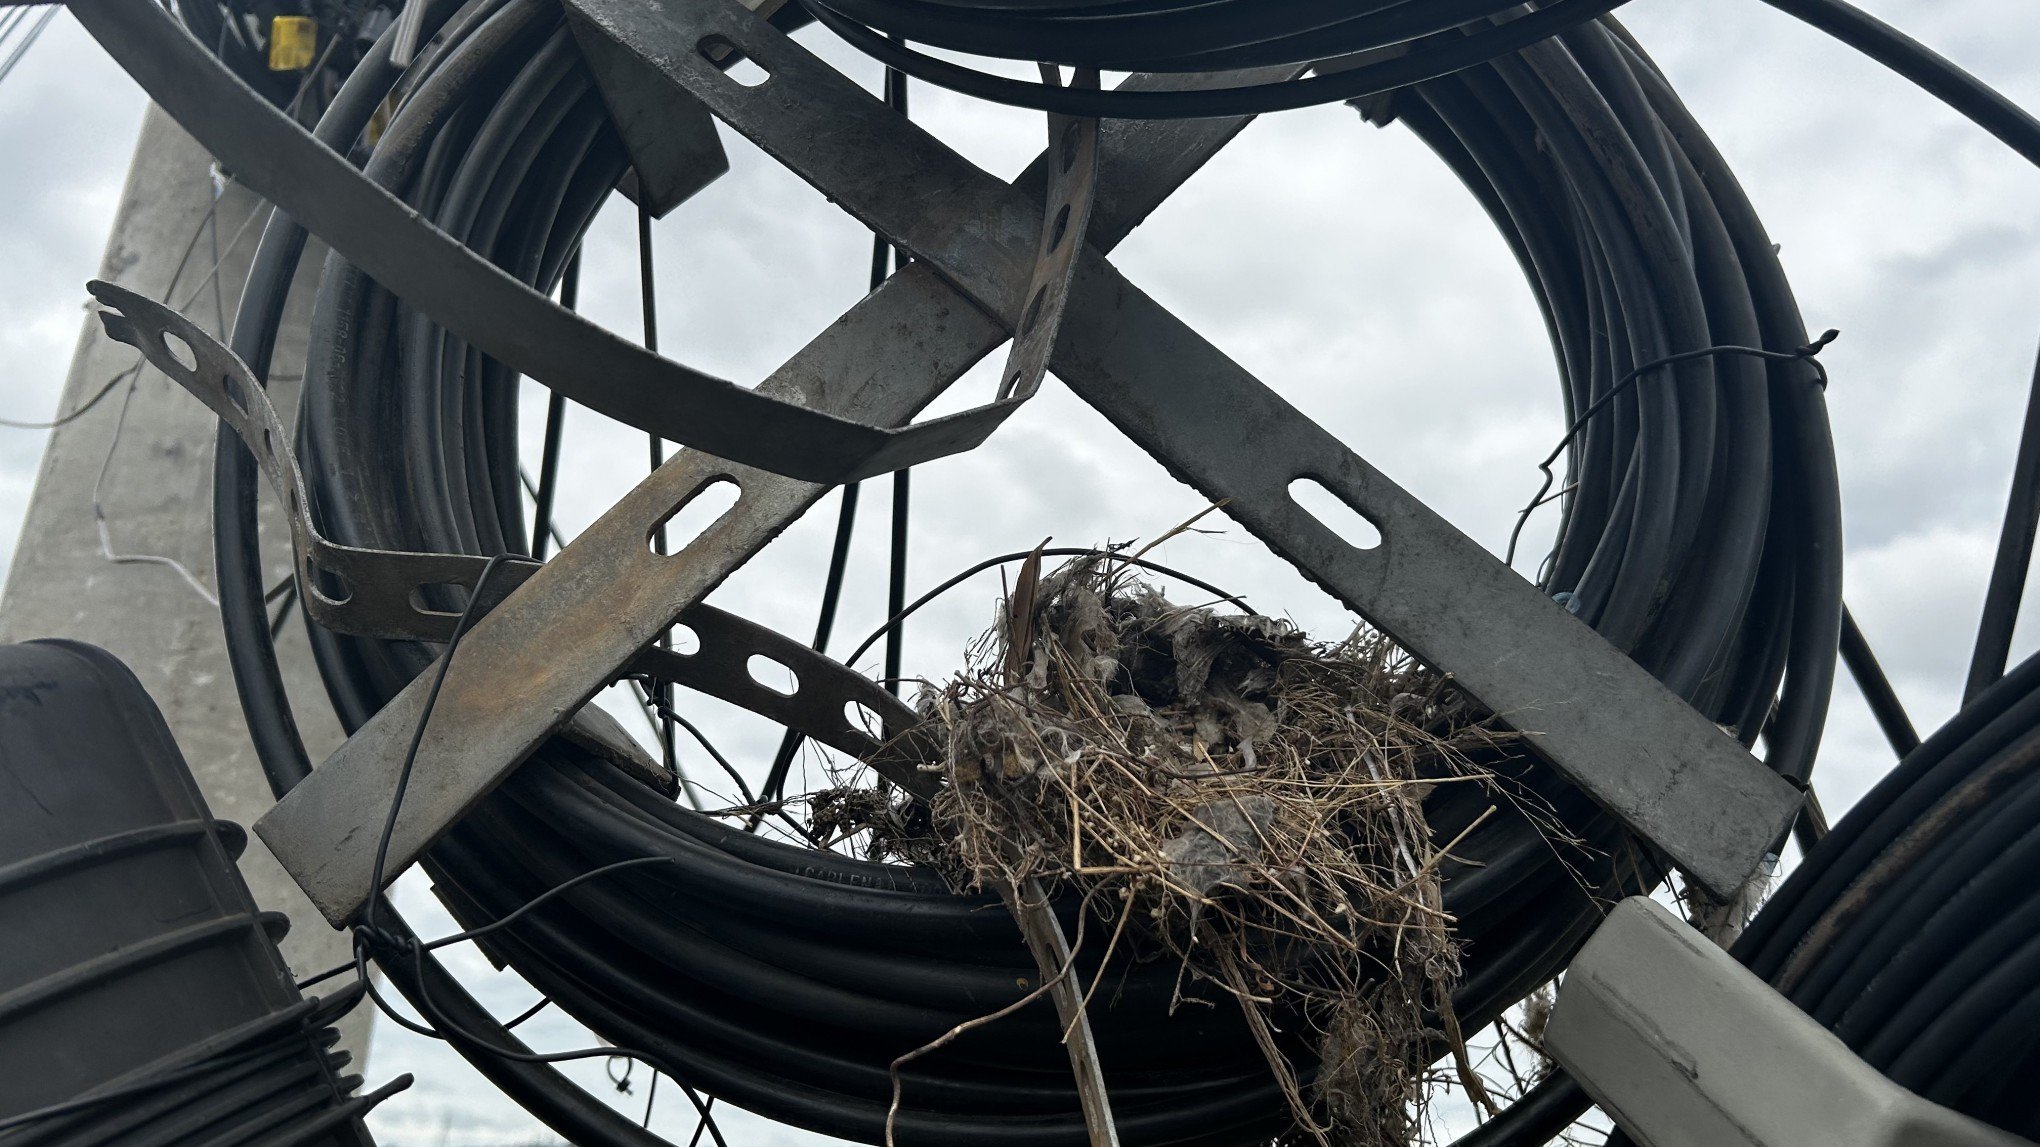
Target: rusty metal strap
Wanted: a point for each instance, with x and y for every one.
(486, 307)
(373, 593)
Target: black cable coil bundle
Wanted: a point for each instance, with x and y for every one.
(1912, 930)
(1703, 537)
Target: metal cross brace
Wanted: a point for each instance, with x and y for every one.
(1661, 767)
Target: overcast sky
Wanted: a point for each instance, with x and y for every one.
(1346, 268)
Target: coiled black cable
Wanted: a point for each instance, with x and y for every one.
(1378, 45)
(1910, 930)
(1703, 538)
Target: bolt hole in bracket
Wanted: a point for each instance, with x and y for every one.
(1657, 765)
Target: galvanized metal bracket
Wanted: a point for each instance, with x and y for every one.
(1661, 767)
(1072, 187)
(374, 593)
(1654, 762)
(1684, 1047)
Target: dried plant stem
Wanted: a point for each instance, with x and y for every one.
(1029, 903)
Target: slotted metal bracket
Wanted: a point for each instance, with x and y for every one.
(390, 587)
(1658, 765)
(674, 149)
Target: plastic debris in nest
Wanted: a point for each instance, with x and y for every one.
(1250, 800)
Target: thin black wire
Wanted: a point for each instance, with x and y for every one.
(543, 1003)
(441, 1024)
(369, 937)
(1805, 354)
(750, 800)
(883, 260)
(555, 421)
(283, 610)
(825, 624)
(134, 369)
(648, 296)
(1876, 688)
(775, 783)
(701, 1125)
(2014, 558)
(1051, 552)
(507, 918)
(83, 408)
(209, 223)
(460, 628)
(902, 488)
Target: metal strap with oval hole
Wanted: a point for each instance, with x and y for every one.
(606, 597)
(383, 590)
(1072, 188)
(1659, 766)
(388, 584)
(486, 307)
(820, 704)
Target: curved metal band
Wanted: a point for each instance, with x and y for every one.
(482, 304)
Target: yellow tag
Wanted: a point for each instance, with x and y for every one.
(293, 43)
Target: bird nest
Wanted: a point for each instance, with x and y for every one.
(1240, 798)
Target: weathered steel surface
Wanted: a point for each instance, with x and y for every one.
(1636, 748)
(673, 145)
(606, 597)
(376, 593)
(1072, 185)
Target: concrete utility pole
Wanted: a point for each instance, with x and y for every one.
(147, 455)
